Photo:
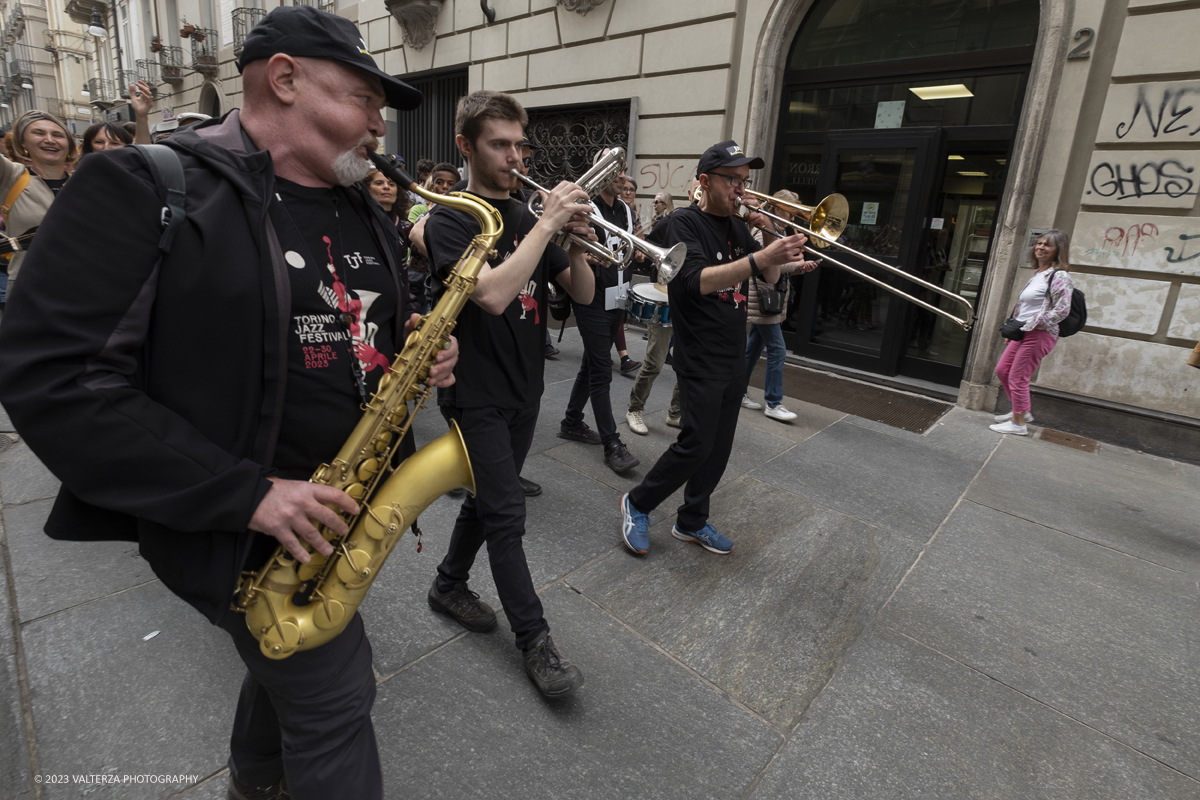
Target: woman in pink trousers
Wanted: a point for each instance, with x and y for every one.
(1044, 302)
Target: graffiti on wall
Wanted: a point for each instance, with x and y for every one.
(1152, 112)
(1165, 179)
(1149, 244)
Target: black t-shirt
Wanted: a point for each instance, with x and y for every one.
(344, 306)
(710, 329)
(501, 357)
(606, 276)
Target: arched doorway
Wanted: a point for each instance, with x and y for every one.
(910, 109)
(210, 100)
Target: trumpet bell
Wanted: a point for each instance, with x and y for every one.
(669, 262)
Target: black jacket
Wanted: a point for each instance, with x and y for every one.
(153, 388)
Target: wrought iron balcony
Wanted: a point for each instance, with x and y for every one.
(125, 77)
(81, 10)
(147, 70)
(244, 19)
(103, 93)
(204, 51)
(170, 64)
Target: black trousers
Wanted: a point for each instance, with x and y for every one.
(597, 328)
(699, 456)
(309, 716)
(497, 440)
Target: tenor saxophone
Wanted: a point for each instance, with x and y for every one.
(291, 606)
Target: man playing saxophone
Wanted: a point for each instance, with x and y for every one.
(184, 399)
(496, 396)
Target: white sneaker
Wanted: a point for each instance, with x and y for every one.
(750, 404)
(1004, 417)
(636, 423)
(1008, 427)
(780, 413)
(673, 422)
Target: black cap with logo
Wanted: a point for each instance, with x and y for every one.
(305, 32)
(726, 154)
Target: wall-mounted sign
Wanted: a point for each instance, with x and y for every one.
(870, 213)
(937, 223)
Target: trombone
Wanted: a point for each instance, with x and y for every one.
(667, 261)
(826, 222)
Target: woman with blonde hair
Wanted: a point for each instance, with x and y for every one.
(43, 141)
(1044, 302)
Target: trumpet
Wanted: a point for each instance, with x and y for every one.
(667, 261)
(830, 216)
(593, 181)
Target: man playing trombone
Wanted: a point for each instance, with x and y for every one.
(708, 310)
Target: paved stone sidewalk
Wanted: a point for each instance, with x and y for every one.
(948, 615)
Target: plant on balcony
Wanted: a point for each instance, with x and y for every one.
(156, 44)
(187, 30)
(197, 37)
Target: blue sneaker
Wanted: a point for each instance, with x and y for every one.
(707, 537)
(635, 527)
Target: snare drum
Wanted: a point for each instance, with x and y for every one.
(649, 305)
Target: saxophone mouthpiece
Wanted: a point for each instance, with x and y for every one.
(392, 170)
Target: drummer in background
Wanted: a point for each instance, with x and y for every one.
(658, 336)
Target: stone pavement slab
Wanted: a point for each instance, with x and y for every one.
(902, 721)
(1079, 494)
(15, 780)
(811, 419)
(770, 622)
(105, 700)
(23, 478)
(52, 575)
(573, 521)
(959, 431)
(899, 484)
(1103, 638)
(466, 722)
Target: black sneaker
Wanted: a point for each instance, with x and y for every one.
(236, 791)
(551, 351)
(578, 433)
(465, 606)
(618, 457)
(628, 365)
(553, 675)
(530, 488)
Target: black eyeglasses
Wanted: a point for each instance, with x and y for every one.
(736, 183)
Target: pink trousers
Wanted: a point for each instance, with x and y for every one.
(1018, 363)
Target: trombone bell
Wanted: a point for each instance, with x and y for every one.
(828, 217)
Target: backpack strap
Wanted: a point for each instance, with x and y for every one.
(15, 192)
(167, 170)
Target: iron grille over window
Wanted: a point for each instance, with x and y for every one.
(125, 78)
(20, 65)
(243, 20)
(428, 132)
(565, 140)
(101, 91)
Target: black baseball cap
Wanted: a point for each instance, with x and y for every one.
(726, 154)
(305, 32)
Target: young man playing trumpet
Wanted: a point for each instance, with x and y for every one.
(708, 311)
(496, 395)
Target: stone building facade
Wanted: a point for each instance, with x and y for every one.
(1076, 115)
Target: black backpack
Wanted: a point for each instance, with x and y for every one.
(1077, 317)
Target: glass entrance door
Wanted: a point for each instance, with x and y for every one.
(958, 240)
(840, 317)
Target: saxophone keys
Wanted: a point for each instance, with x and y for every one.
(354, 567)
(368, 469)
(357, 491)
(281, 640)
(329, 615)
